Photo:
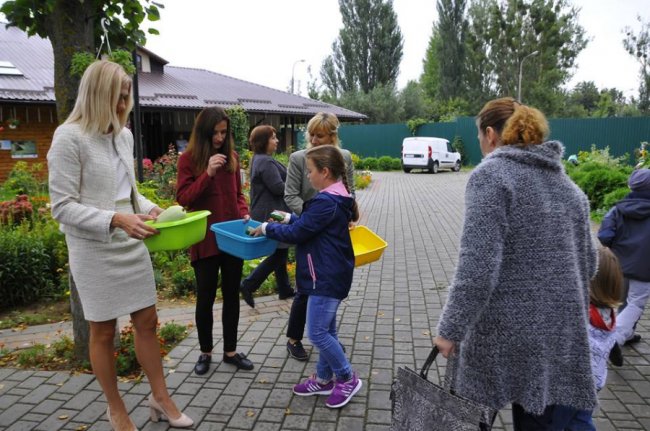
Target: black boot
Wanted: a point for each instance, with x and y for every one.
(616, 355)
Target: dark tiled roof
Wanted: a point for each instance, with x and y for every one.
(176, 88)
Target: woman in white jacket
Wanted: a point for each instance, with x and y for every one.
(95, 199)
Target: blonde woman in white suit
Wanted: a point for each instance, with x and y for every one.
(95, 199)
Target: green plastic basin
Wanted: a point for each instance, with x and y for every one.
(179, 234)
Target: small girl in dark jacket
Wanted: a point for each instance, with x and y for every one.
(324, 267)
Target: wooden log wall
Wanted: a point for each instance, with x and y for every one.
(37, 123)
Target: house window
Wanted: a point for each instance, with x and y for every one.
(138, 59)
(7, 68)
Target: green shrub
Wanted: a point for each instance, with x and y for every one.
(414, 124)
(33, 356)
(458, 145)
(27, 179)
(240, 127)
(598, 182)
(355, 160)
(611, 198)
(172, 333)
(397, 164)
(370, 163)
(29, 265)
(360, 165)
(183, 282)
(173, 273)
(282, 158)
(385, 163)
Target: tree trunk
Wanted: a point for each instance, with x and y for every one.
(70, 29)
(80, 327)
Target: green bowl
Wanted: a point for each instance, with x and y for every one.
(179, 234)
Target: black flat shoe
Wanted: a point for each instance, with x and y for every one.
(247, 294)
(297, 351)
(203, 364)
(239, 360)
(635, 339)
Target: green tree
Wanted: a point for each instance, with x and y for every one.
(430, 79)
(368, 50)
(586, 94)
(451, 29)
(479, 71)
(638, 45)
(412, 100)
(381, 104)
(513, 29)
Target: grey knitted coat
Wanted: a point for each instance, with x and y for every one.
(519, 301)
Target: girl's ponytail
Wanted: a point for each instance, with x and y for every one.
(355, 207)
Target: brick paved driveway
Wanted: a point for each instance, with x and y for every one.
(385, 323)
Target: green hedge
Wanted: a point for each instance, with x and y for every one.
(33, 260)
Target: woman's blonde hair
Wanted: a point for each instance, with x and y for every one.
(99, 93)
(323, 122)
(514, 123)
(330, 157)
(606, 287)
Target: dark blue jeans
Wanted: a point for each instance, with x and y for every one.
(554, 418)
(276, 263)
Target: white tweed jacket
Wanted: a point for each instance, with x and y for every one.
(83, 183)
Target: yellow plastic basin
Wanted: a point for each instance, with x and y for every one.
(179, 234)
(368, 246)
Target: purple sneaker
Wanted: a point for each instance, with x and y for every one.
(343, 392)
(312, 387)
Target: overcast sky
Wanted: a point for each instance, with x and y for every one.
(260, 40)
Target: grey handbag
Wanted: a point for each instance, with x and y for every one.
(420, 405)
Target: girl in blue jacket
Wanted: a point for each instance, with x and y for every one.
(324, 267)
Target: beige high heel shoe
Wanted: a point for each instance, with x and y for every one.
(157, 412)
(110, 420)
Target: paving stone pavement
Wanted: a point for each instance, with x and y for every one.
(386, 322)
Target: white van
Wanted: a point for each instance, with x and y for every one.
(429, 153)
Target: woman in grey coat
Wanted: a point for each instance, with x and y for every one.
(516, 317)
(322, 129)
(267, 178)
(96, 201)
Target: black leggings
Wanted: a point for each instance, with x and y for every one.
(207, 278)
(297, 316)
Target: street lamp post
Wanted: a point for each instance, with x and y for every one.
(521, 64)
(293, 69)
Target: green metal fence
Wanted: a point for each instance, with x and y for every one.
(621, 135)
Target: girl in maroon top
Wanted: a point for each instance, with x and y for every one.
(208, 179)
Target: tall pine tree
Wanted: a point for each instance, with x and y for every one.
(367, 52)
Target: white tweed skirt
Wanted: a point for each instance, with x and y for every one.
(113, 279)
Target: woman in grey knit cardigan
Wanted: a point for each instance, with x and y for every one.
(516, 317)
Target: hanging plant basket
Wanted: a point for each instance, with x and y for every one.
(13, 123)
